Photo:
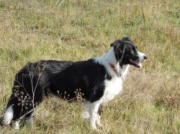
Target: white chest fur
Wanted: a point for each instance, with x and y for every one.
(113, 87)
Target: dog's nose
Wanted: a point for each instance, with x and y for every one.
(145, 57)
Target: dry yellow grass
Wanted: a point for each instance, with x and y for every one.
(77, 30)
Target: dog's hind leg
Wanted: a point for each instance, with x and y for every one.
(10, 114)
(19, 107)
(30, 118)
(16, 124)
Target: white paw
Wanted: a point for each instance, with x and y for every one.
(99, 125)
(16, 125)
(30, 121)
(94, 127)
(85, 115)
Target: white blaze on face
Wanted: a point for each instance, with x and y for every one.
(141, 56)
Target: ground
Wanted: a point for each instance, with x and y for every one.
(78, 30)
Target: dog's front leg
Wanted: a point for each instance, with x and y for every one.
(94, 114)
(99, 116)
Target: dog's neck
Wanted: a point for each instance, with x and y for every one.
(112, 65)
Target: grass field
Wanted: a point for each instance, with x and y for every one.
(31, 30)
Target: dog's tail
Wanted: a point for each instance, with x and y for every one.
(8, 115)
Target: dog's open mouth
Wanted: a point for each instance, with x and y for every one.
(136, 63)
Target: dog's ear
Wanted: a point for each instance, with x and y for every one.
(127, 38)
(115, 43)
(112, 44)
(120, 52)
(119, 49)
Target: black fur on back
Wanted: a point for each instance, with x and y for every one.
(65, 79)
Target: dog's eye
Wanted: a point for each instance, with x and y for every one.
(132, 52)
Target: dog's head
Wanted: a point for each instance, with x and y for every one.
(126, 53)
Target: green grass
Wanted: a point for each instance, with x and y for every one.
(78, 30)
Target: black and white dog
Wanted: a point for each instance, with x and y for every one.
(95, 81)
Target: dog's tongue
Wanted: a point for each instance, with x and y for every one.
(138, 63)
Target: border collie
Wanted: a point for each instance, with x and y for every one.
(95, 81)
